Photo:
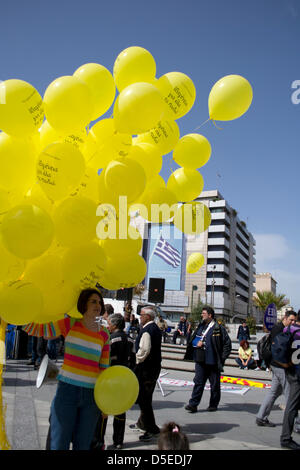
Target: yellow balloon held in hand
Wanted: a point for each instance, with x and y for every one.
(21, 108)
(60, 169)
(125, 177)
(17, 163)
(194, 263)
(134, 64)
(229, 98)
(101, 84)
(68, 104)
(164, 136)
(185, 184)
(27, 231)
(179, 94)
(192, 151)
(138, 108)
(75, 221)
(20, 302)
(116, 390)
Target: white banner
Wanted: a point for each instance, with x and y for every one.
(187, 383)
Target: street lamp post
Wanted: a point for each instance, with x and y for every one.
(193, 288)
(213, 287)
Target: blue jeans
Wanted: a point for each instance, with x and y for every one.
(74, 415)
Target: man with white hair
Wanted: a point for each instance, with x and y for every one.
(148, 365)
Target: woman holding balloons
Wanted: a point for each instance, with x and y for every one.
(74, 413)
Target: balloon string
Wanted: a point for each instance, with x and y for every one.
(202, 124)
(220, 128)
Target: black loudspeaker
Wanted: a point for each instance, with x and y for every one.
(156, 292)
(124, 294)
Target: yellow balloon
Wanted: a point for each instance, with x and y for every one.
(125, 177)
(116, 390)
(185, 184)
(192, 151)
(48, 136)
(229, 98)
(20, 302)
(179, 94)
(157, 204)
(11, 267)
(60, 169)
(148, 157)
(27, 231)
(84, 265)
(134, 64)
(37, 197)
(101, 84)
(58, 301)
(88, 186)
(194, 263)
(75, 221)
(125, 247)
(155, 183)
(108, 143)
(68, 104)
(5, 202)
(17, 163)
(74, 313)
(45, 271)
(164, 136)
(138, 108)
(21, 108)
(126, 272)
(192, 218)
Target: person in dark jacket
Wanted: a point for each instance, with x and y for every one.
(181, 329)
(243, 332)
(209, 347)
(121, 354)
(279, 385)
(148, 365)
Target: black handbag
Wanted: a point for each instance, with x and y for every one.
(199, 355)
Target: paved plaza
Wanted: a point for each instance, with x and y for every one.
(232, 427)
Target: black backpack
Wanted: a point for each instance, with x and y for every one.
(282, 348)
(264, 349)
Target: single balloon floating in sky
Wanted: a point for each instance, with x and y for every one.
(194, 263)
(229, 98)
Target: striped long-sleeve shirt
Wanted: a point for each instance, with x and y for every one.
(86, 352)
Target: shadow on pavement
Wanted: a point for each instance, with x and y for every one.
(15, 382)
(207, 428)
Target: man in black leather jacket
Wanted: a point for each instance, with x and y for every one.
(209, 347)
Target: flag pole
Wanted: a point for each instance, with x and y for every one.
(154, 248)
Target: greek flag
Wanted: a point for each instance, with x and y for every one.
(164, 250)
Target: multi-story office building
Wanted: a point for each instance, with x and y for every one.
(226, 279)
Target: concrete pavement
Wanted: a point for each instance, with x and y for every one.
(232, 427)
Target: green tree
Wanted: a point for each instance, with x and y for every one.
(195, 316)
(263, 298)
(251, 322)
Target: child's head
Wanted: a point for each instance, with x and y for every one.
(171, 438)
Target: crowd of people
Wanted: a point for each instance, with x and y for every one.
(90, 346)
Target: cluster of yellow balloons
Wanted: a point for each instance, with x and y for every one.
(70, 177)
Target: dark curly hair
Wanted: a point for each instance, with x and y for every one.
(171, 438)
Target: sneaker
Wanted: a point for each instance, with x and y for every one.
(257, 368)
(191, 409)
(265, 422)
(118, 446)
(135, 427)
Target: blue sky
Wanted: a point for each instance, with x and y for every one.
(256, 156)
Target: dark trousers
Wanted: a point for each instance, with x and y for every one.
(292, 407)
(147, 381)
(175, 336)
(204, 372)
(118, 431)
